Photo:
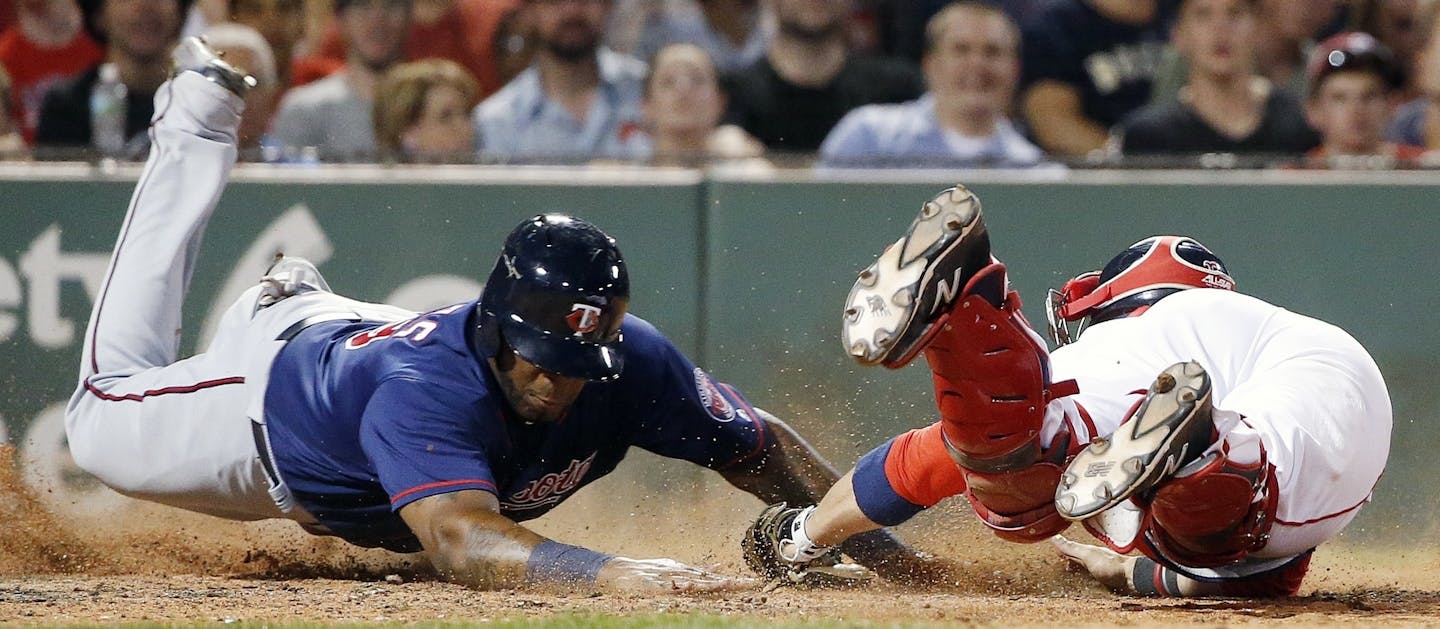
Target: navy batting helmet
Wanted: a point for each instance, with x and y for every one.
(557, 297)
(1138, 277)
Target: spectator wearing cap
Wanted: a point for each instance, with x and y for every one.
(808, 79)
(1418, 121)
(1286, 34)
(1225, 107)
(1352, 79)
(422, 112)
(46, 45)
(333, 115)
(244, 47)
(1399, 25)
(972, 64)
(139, 35)
(577, 100)
(733, 32)
(1086, 65)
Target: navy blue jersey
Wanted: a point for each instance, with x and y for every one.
(366, 418)
(1111, 64)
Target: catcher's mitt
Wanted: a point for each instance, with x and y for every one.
(816, 566)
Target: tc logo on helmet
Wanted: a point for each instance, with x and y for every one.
(583, 318)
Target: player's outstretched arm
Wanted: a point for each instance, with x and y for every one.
(1119, 572)
(470, 542)
(793, 472)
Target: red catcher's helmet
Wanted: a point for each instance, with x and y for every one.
(1134, 280)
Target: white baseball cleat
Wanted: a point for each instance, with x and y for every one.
(289, 276)
(894, 302)
(193, 54)
(1171, 427)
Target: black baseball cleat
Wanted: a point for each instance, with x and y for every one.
(896, 301)
(1171, 427)
(193, 54)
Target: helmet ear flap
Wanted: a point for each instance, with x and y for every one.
(486, 332)
(1076, 289)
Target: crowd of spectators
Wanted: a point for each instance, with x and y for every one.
(836, 83)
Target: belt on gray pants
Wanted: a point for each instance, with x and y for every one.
(278, 490)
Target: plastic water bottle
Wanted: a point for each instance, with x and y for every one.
(107, 112)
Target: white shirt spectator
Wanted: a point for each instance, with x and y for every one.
(329, 115)
(909, 135)
(521, 123)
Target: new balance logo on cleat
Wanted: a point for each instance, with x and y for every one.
(915, 280)
(1100, 468)
(1171, 427)
(946, 292)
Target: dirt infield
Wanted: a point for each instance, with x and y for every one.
(144, 562)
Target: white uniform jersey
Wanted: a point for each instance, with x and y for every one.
(1302, 389)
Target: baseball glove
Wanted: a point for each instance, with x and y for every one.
(772, 531)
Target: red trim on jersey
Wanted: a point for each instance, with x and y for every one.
(1324, 517)
(755, 418)
(490, 487)
(920, 469)
(140, 397)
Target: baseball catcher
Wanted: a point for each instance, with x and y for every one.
(437, 432)
(1220, 437)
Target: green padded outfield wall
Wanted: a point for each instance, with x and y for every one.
(748, 274)
(1359, 253)
(420, 245)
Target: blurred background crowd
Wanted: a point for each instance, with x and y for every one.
(833, 83)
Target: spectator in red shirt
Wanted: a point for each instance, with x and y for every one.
(462, 31)
(45, 45)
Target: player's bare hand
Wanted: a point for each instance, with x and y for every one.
(666, 575)
(1106, 566)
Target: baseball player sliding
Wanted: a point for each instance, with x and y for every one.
(436, 431)
(1220, 436)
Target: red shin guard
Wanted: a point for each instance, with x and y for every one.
(992, 386)
(1019, 506)
(1216, 515)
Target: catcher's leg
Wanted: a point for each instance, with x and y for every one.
(1207, 505)
(145, 424)
(1215, 511)
(938, 290)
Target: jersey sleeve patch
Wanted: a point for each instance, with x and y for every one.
(714, 402)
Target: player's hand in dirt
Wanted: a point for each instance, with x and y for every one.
(652, 576)
(1106, 566)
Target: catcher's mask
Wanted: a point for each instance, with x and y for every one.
(1132, 282)
(557, 297)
